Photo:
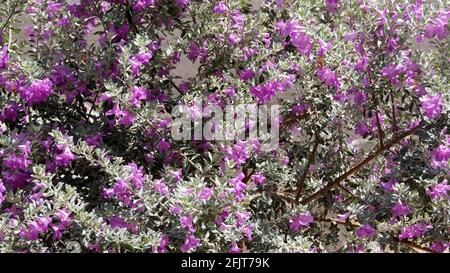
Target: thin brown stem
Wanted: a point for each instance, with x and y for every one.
(301, 181)
(380, 130)
(357, 167)
(394, 114)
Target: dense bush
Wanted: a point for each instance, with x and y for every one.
(88, 161)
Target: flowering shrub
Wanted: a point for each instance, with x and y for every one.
(88, 162)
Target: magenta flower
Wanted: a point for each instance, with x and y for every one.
(205, 194)
(258, 179)
(141, 5)
(4, 57)
(414, 231)
(2, 190)
(361, 66)
(327, 76)
(301, 221)
(160, 187)
(440, 157)
(138, 94)
(438, 27)
(238, 153)
(181, 3)
(332, 5)
(400, 210)
(432, 106)
(65, 157)
(366, 231)
(190, 243)
(35, 228)
(247, 74)
(163, 145)
(439, 190)
(234, 248)
(241, 218)
(220, 8)
(302, 42)
(37, 92)
(186, 222)
(239, 187)
(440, 246)
(184, 87)
(177, 175)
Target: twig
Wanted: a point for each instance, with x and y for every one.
(10, 15)
(415, 246)
(380, 130)
(357, 167)
(394, 115)
(301, 181)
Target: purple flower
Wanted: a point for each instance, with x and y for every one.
(366, 231)
(302, 42)
(414, 231)
(239, 186)
(205, 194)
(181, 3)
(234, 248)
(264, 93)
(361, 129)
(34, 228)
(432, 106)
(2, 190)
(288, 28)
(10, 112)
(94, 140)
(361, 66)
(163, 145)
(238, 19)
(233, 39)
(392, 71)
(241, 218)
(196, 51)
(301, 221)
(238, 153)
(37, 92)
(124, 117)
(184, 86)
(191, 242)
(440, 246)
(323, 47)
(220, 8)
(177, 175)
(438, 27)
(138, 94)
(300, 109)
(328, 77)
(400, 209)
(247, 74)
(229, 91)
(139, 60)
(141, 5)
(258, 179)
(332, 5)
(137, 175)
(4, 57)
(186, 222)
(440, 156)
(439, 190)
(160, 187)
(64, 157)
